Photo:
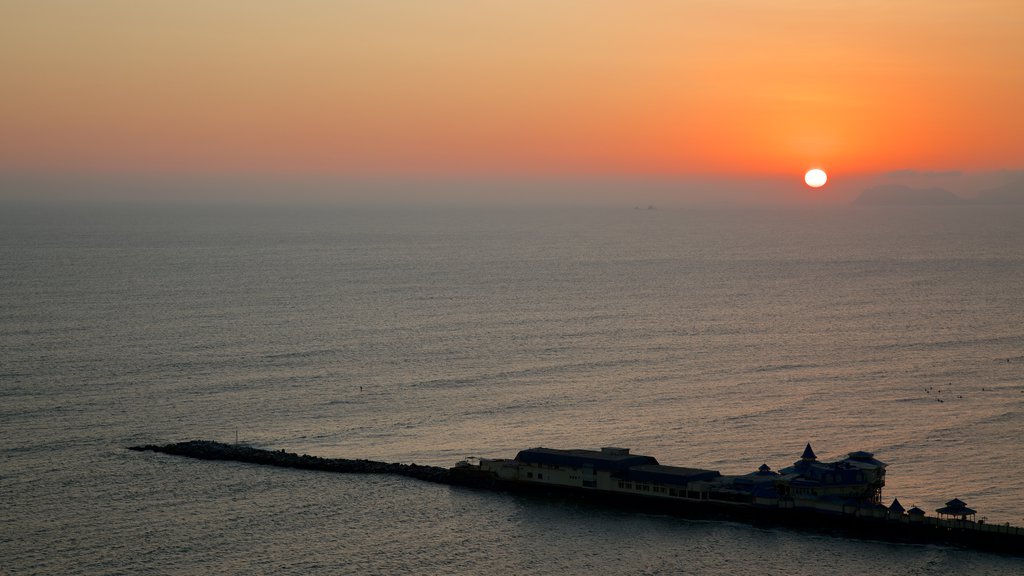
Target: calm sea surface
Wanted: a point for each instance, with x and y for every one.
(720, 338)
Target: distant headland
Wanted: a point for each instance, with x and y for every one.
(903, 195)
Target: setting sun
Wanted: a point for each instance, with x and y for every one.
(815, 178)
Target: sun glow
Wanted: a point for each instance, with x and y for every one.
(815, 178)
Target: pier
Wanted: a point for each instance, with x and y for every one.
(912, 527)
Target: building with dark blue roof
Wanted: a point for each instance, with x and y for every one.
(607, 458)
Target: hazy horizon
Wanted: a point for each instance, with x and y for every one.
(638, 190)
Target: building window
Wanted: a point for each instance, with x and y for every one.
(529, 474)
(540, 476)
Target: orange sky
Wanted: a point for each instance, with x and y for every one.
(527, 87)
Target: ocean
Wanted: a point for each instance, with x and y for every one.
(721, 338)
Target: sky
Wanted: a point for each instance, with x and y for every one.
(349, 97)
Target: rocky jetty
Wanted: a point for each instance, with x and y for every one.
(209, 450)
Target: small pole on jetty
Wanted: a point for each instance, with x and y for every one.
(236, 436)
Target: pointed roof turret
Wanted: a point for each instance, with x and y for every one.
(896, 507)
(808, 453)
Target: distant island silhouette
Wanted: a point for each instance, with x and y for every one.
(902, 195)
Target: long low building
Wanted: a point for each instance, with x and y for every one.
(854, 482)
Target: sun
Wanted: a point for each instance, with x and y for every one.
(815, 178)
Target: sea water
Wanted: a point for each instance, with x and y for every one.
(708, 337)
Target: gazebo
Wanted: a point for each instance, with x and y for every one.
(896, 509)
(956, 509)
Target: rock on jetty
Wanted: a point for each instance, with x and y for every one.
(209, 450)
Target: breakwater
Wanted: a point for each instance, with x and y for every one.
(210, 450)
